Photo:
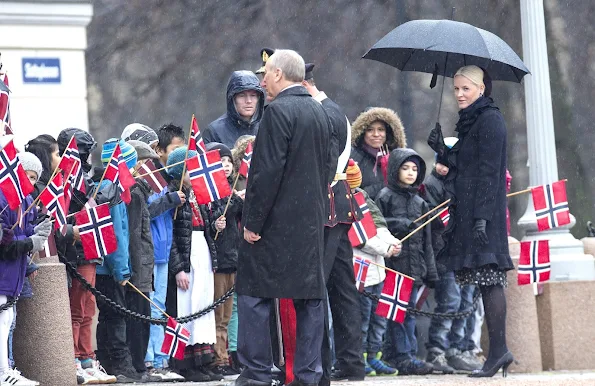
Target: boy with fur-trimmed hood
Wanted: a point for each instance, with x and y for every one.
(401, 206)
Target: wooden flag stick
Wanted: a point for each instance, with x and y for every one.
(6, 207)
(103, 175)
(392, 270)
(228, 201)
(430, 211)
(160, 169)
(145, 296)
(184, 168)
(420, 227)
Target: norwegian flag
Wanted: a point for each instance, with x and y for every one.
(360, 269)
(208, 177)
(394, 298)
(363, 229)
(97, 231)
(551, 205)
(49, 247)
(245, 166)
(5, 105)
(175, 340)
(118, 173)
(196, 143)
(445, 216)
(71, 164)
(14, 182)
(534, 262)
(52, 197)
(154, 179)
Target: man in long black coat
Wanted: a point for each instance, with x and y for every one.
(283, 219)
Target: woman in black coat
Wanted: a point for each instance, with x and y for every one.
(476, 242)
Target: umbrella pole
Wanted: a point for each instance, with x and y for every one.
(452, 17)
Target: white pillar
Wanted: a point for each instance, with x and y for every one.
(567, 253)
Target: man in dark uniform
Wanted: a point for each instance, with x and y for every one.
(265, 54)
(338, 254)
(283, 219)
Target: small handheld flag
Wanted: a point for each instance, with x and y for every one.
(208, 177)
(534, 262)
(196, 142)
(360, 269)
(551, 205)
(394, 298)
(245, 166)
(175, 340)
(363, 229)
(97, 231)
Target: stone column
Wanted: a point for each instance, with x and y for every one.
(568, 259)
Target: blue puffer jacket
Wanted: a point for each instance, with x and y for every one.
(117, 264)
(13, 254)
(162, 225)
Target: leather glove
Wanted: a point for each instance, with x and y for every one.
(38, 242)
(479, 232)
(436, 140)
(43, 229)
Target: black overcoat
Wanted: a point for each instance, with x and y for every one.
(478, 181)
(286, 200)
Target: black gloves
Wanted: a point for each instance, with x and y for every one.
(479, 232)
(436, 140)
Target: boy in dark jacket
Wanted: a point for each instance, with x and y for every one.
(449, 345)
(227, 258)
(401, 206)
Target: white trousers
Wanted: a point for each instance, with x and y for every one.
(5, 323)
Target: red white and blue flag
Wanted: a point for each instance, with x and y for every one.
(551, 205)
(445, 216)
(175, 340)
(97, 231)
(360, 269)
(72, 166)
(153, 178)
(534, 262)
(52, 197)
(14, 182)
(394, 298)
(208, 177)
(196, 142)
(364, 229)
(5, 105)
(245, 165)
(119, 174)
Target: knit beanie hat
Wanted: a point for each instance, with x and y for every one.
(175, 156)
(31, 162)
(354, 174)
(143, 150)
(128, 152)
(414, 159)
(223, 150)
(140, 132)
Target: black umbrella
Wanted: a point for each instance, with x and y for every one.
(441, 47)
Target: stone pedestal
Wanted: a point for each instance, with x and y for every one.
(566, 330)
(522, 326)
(43, 345)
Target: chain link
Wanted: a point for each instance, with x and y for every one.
(9, 304)
(437, 315)
(71, 269)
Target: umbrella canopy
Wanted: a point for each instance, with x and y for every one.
(441, 47)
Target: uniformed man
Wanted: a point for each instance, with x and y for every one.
(265, 54)
(338, 254)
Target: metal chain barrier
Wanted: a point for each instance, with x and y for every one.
(8, 304)
(71, 269)
(438, 315)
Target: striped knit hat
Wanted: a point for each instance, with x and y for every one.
(354, 175)
(175, 156)
(128, 152)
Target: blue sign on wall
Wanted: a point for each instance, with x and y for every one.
(41, 70)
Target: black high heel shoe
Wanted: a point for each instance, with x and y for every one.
(504, 361)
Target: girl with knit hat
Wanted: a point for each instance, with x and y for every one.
(383, 245)
(192, 261)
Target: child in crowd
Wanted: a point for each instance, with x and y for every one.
(191, 270)
(160, 210)
(112, 278)
(170, 137)
(15, 247)
(227, 244)
(401, 206)
(383, 245)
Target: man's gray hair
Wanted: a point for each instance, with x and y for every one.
(290, 63)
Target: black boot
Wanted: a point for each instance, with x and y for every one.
(243, 381)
